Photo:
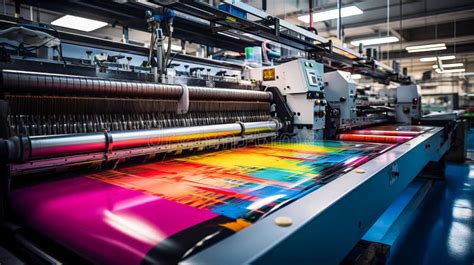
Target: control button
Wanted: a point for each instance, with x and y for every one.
(283, 221)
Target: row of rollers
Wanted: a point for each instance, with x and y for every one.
(61, 85)
(65, 124)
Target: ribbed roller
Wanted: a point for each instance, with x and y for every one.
(226, 94)
(40, 83)
(55, 84)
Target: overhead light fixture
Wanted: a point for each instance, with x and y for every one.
(426, 48)
(375, 41)
(347, 11)
(228, 35)
(449, 65)
(78, 23)
(433, 59)
(356, 76)
(460, 70)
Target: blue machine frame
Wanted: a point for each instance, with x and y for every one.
(328, 222)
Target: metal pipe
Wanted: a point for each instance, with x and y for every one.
(40, 83)
(339, 7)
(46, 146)
(60, 145)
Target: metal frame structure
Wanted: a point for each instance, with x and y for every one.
(200, 23)
(278, 30)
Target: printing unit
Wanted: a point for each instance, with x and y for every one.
(191, 160)
(301, 84)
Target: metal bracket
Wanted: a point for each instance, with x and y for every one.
(183, 103)
(394, 174)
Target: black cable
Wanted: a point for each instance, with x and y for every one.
(171, 60)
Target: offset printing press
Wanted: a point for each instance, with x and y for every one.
(276, 164)
(159, 185)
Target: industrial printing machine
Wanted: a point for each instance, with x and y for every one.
(112, 164)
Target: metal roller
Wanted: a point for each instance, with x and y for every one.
(374, 138)
(124, 140)
(46, 146)
(40, 83)
(226, 94)
(56, 84)
(264, 126)
(37, 147)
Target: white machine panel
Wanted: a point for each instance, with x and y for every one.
(301, 82)
(341, 93)
(408, 104)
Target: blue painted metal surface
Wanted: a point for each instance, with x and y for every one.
(379, 231)
(470, 139)
(442, 228)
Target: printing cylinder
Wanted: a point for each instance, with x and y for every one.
(374, 138)
(43, 83)
(46, 146)
(38, 147)
(261, 126)
(202, 93)
(389, 133)
(124, 140)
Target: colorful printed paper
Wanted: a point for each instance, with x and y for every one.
(165, 211)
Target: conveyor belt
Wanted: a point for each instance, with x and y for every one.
(165, 211)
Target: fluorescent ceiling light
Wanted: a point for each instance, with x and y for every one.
(433, 59)
(356, 76)
(332, 14)
(78, 23)
(450, 71)
(449, 65)
(228, 35)
(425, 48)
(375, 41)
